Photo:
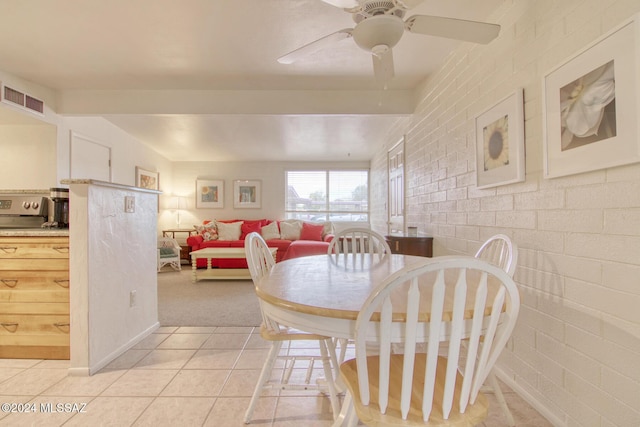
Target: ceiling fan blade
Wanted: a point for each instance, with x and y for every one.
(315, 46)
(383, 66)
(459, 29)
(409, 4)
(344, 4)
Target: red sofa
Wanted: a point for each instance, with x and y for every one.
(311, 241)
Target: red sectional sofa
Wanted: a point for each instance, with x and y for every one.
(314, 239)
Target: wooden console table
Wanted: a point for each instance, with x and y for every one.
(184, 249)
(420, 246)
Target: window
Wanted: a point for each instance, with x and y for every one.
(328, 195)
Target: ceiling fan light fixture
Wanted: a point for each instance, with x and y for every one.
(379, 30)
(380, 50)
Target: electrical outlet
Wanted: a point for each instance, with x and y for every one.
(129, 204)
(132, 299)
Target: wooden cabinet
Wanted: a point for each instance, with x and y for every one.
(34, 297)
(420, 246)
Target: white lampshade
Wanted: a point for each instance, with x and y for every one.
(379, 30)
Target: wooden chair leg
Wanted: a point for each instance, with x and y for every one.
(497, 391)
(326, 347)
(347, 416)
(264, 377)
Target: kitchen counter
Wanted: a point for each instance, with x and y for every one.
(34, 232)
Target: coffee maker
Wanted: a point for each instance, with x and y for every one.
(60, 198)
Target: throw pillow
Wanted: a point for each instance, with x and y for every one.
(229, 231)
(208, 231)
(250, 227)
(290, 230)
(311, 231)
(270, 232)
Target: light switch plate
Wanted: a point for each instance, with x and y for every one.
(129, 204)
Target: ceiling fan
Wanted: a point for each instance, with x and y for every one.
(379, 27)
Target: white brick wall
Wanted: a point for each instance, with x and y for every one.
(575, 353)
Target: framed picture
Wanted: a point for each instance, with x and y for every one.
(147, 179)
(590, 106)
(209, 193)
(500, 143)
(246, 193)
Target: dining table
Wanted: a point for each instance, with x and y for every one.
(323, 294)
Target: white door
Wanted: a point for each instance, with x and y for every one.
(396, 188)
(89, 159)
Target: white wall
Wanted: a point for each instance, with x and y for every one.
(271, 175)
(576, 350)
(28, 157)
(113, 253)
(126, 151)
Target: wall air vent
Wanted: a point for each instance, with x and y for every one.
(17, 98)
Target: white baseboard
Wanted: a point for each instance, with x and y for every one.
(86, 371)
(527, 397)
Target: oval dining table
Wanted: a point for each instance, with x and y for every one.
(323, 294)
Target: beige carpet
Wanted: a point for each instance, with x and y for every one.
(207, 302)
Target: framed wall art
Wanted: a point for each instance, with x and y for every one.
(500, 143)
(147, 179)
(209, 193)
(590, 106)
(246, 193)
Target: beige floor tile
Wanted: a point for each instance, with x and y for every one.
(19, 363)
(142, 382)
(234, 329)
(111, 412)
(165, 359)
(175, 386)
(176, 411)
(83, 386)
(53, 364)
(166, 329)
(195, 330)
(303, 411)
(256, 341)
(12, 399)
(184, 341)
(128, 359)
(197, 383)
(6, 373)
(32, 381)
(229, 412)
(253, 359)
(150, 342)
(213, 359)
(226, 341)
(241, 383)
(53, 416)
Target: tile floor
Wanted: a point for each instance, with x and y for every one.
(182, 376)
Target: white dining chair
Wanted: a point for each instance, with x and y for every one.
(352, 241)
(477, 303)
(168, 253)
(500, 251)
(358, 241)
(260, 262)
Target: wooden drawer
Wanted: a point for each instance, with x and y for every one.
(33, 264)
(34, 247)
(9, 308)
(33, 295)
(33, 280)
(34, 336)
(26, 324)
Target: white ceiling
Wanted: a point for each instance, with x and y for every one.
(326, 107)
